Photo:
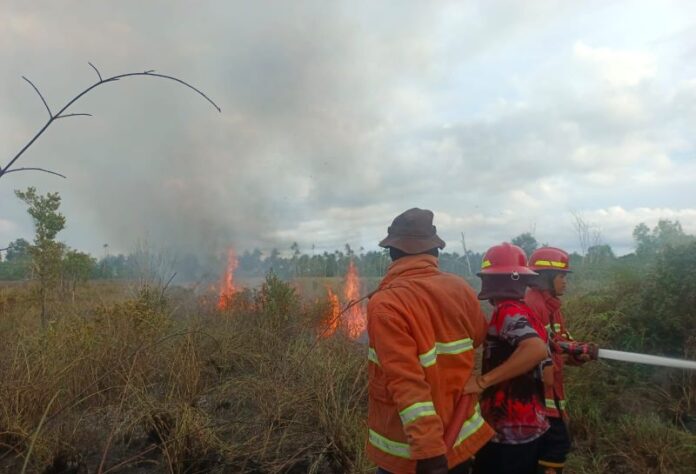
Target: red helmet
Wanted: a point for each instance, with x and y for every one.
(549, 258)
(505, 259)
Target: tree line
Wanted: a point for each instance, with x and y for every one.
(52, 263)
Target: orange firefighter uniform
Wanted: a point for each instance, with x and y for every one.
(548, 309)
(423, 326)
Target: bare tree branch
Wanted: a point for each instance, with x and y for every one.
(95, 70)
(60, 114)
(32, 169)
(42, 97)
(72, 115)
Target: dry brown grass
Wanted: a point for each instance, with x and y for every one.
(137, 386)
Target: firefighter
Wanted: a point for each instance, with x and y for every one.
(553, 266)
(423, 326)
(515, 351)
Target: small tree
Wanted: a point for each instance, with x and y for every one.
(77, 268)
(666, 234)
(17, 264)
(46, 253)
(526, 242)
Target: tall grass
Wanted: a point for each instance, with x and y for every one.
(135, 386)
(152, 381)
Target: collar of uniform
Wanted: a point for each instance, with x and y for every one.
(409, 265)
(552, 302)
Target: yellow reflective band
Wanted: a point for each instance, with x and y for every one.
(372, 355)
(550, 403)
(551, 464)
(454, 347)
(394, 448)
(550, 263)
(429, 358)
(556, 328)
(416, 411)
(470, 426)
(486, 264)
(445, 348)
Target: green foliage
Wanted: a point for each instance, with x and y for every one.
(629, 418)
(46, 253)
(526, 242)
(666, 309)
(44, 211)
(77, 268)
(665, 234)
(17, 264)
(599, 254)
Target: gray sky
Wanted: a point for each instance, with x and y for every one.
(500, 116)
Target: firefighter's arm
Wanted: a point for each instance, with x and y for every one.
(529, 353)
(404, 369)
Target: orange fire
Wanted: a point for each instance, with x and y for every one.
(334, 315)
(227, 288)
(355, 318)
(353, 321)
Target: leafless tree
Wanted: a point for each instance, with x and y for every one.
(589, 234)
(52, 117)
(466, 256)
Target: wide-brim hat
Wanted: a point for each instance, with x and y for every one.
(413, 232)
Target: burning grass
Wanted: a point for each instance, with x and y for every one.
(145, 381)
(137, 386)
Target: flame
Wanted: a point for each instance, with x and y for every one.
(332, 319)
(227, 288)
(355, 318)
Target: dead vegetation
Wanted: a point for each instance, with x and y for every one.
(136, 386)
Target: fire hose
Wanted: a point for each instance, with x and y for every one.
(576, 349)
(464, 406)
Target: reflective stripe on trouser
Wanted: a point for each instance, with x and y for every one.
(445, 348)
(551, 404)
(416, 411)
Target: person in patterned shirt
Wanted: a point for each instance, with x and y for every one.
(515, 351)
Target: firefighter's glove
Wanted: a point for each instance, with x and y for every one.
(436, 465)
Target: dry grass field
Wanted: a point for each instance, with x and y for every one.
(132, 378)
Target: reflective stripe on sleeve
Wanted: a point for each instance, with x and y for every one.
(388, 446)
(455, 347)
(470, 426)
(429, 358)
(416, 411)
(445, 348)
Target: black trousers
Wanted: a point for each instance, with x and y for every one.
(463, 468)
(554, 444)
(498, 458)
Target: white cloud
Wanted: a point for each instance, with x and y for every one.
(618, 68)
